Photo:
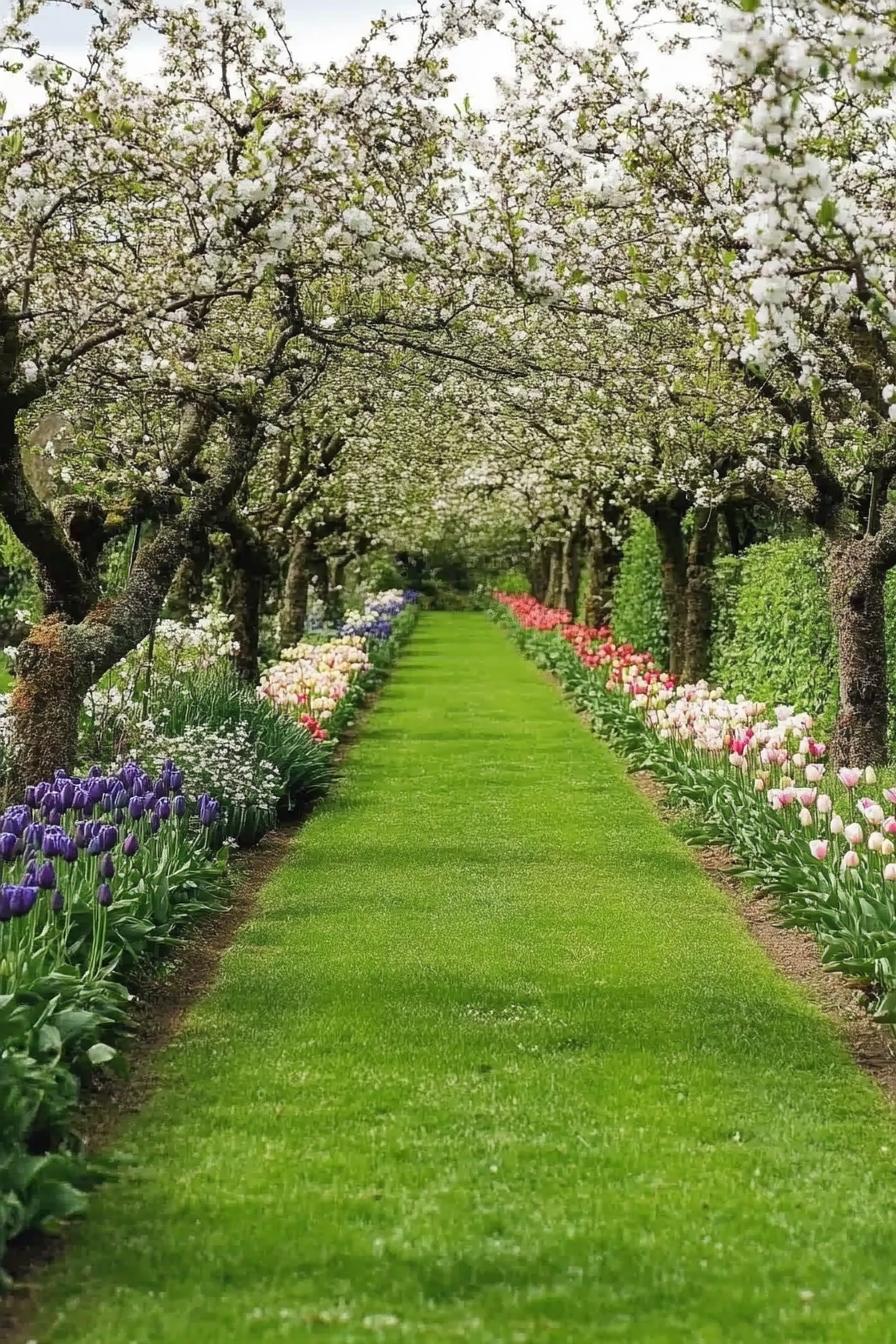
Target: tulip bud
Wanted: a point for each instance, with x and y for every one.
(806, 818)
(836, 824)
(854, 833)
(849, 861)
(875, 841)
(818, 849)
(107, 867)
(870, 774)
(130, 845)
(56, 901)
(758, 784)
(104, 894)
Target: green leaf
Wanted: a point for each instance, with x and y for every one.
(100, 1053)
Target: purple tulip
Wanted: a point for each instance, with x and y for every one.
(154, 823)
(67, 794)
(107, 867)
(130, 845)
(56, 901)
(104, 894)
(46, 876)
(69, 850)
(8, 844)
(180, 805)
(109, 837)
(5, 911)
(94, 845)
(136, 809)
(163, 807)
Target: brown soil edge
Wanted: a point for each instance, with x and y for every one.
(161, 1002)
(795, 953)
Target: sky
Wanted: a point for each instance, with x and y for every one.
(327, 31)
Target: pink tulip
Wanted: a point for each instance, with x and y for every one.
(823, 803)
(807, 796)
(836, 824)
(875, 842)
(818, 849)
(848, 777)
(814, 773)
(850, 860)
(890, 872)
(854, 833)
(889, 826)
(787, 796)
(890, 795)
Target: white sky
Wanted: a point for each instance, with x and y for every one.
(323, 32)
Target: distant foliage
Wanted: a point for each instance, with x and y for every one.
(639, 612)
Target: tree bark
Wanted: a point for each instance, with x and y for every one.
(538, 570)
(186, 592)
(668, 522)
(250, 567)
(698, 607)
(555, 574)
(571, 572)
(294, 600)
(73, 656)
(604, 555)
(856, 592)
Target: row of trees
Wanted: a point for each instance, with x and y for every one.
(313, 311)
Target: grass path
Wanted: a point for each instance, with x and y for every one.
(494, 1063)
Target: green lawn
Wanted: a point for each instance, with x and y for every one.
(494, 1063)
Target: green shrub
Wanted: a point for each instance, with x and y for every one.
(639, 612)
(512, 581)
(773, 639)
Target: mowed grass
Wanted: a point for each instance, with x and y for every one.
(493, 1063)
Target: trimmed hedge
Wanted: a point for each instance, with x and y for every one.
(639, 612)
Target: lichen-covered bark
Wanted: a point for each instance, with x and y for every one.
(555, 574)
(249, 568)
(856, 575)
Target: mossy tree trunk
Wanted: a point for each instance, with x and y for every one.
(538, 571)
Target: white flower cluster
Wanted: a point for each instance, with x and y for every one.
(201, 643)
(223, 761)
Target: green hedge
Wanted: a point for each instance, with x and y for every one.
(639, 613)
(773, 638)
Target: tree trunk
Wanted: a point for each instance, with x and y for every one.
(670, 536)
(538, 571)
(856, 593)
(571, 572)
(244, 596)
(604, 556)
(555, 574)
(185, 595)
(698, 614)
(294, 602)
(53, 674)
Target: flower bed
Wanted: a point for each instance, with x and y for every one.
(821, 840)
(97, 872)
